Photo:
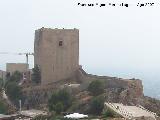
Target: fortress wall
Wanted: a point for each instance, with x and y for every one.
(133, 86)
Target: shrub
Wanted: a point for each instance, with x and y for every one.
(3, 108)
(96, 87)
(97, 105)
(59, 107)
(61, 99)
(109, 113)
(14, 92)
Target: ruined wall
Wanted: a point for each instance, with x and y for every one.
(12, 67)
(132, 88)
(56, 51)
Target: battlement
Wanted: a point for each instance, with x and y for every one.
(57, 29)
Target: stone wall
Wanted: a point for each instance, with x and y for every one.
(133, 87)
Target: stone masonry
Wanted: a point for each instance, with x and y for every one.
(56, 52)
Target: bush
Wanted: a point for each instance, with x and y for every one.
(16, 77)
(1, 83)
(109, 113)
(96, 87)
(97, 105)
(59, 107)
(62, 99)
(3, 108)
(74, 107)
(14, 92)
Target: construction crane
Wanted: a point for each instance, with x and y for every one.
(26, 54)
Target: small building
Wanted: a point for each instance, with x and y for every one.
(12, 67)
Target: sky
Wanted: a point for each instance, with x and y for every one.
(114, 41)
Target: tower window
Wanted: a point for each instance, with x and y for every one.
(60, 43)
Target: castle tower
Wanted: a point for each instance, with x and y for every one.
(56, 52)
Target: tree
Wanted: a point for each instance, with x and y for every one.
(96, 88)
(61, 99)
(14, 78)
(97, 105)
(1, 84)
(36, 75)
(3, 108)
(14, 92)
(12, 89)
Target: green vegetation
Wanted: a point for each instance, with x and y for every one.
(36, 75)
(109, 113)
(13, 90)
(97, 105)
(16, 77)
(74, 107)
(59, 107)
(60, 101)
(3, 108)
(1, 84)
(96, 88)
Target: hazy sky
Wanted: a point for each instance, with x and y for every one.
(115, 41)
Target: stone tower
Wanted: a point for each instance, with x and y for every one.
(56, 52)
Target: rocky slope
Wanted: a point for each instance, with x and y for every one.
(126, 91)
